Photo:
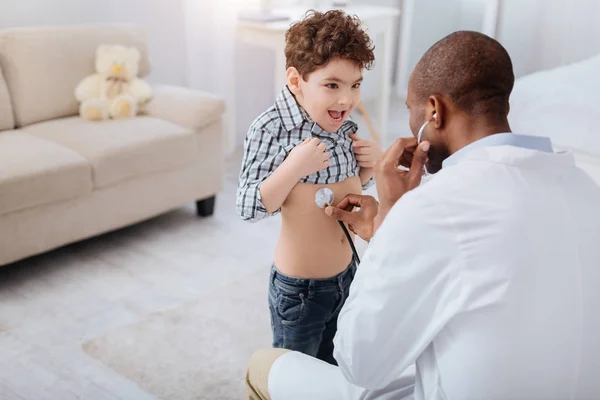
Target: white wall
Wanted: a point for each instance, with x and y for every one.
(424, 22)
(541, 34)
(538, 34)
(218, 63)
(163, 24)
(50, 12)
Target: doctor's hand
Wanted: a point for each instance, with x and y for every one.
(392, 183)
(360, 222)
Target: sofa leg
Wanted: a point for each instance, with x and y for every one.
(206, 207)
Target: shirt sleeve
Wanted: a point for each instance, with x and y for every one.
(262, 155)
(406, 289)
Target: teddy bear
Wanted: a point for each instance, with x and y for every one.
(114, 91)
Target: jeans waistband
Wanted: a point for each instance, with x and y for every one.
(314, 283)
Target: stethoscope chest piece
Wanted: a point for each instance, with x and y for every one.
(324, 197)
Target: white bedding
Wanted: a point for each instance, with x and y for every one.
(562, 103)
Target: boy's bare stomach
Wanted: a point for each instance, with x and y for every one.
(312, 244)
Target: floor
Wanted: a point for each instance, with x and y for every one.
(51, 304)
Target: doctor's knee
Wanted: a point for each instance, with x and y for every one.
(257, 375)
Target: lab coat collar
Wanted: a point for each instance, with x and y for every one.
(542, 144)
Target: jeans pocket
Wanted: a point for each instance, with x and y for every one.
(291, 307)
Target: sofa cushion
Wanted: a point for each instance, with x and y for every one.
(190, 108)
(35, 171)
(6, 113)
(42, 66)
(122, 149)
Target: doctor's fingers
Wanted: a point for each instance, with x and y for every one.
(392, 157)
(406, 159)
(417, 165)
(349, 217)
(343, 211)
(356, 200)
(360, 222)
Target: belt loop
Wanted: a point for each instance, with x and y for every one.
(272, 277)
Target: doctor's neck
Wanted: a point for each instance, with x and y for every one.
(467, 129)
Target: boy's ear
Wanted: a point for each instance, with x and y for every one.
(293, 78)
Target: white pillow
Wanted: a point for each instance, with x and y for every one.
(562, 103)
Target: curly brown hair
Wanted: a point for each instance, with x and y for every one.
(320, 37)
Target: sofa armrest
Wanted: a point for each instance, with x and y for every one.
(192, 109)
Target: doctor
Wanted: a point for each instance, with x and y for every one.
(485, 278)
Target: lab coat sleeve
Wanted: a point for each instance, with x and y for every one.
(406, 289)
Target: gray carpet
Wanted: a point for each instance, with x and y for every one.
(199, 350)
(149, 303)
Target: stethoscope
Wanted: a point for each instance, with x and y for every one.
(427, 175)
(323, 198)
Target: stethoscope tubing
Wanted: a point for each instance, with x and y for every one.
(350, 241)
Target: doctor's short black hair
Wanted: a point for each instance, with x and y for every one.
(471, 69)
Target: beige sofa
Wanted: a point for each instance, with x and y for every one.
(63, 179)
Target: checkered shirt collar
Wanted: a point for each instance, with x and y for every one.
(292, 115)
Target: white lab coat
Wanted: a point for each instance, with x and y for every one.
(486, 278)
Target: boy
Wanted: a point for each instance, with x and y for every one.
(303, 143)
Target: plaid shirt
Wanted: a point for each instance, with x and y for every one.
(269, 141)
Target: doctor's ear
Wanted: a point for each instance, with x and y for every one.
(435, 107)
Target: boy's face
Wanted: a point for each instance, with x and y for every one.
(329, 94)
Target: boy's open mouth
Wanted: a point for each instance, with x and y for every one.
(337, 115)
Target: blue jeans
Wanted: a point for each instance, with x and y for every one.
(304, 312)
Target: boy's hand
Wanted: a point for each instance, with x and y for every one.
(309, 157)
(367, 151)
